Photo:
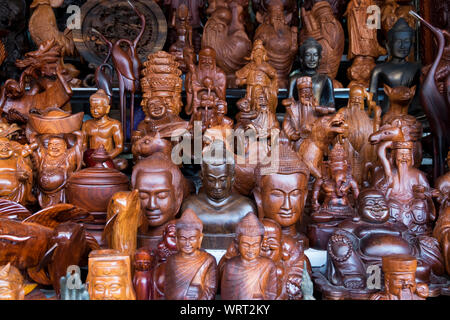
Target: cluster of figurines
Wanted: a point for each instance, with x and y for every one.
(343, 181)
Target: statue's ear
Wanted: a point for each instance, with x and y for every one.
(258, 200)
(288, 18)
(387, 89)
(412, 90)
(259, 17)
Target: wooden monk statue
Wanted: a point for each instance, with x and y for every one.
(249, 276)
(142, 278)
(102, 130)
(11, 283)
(191, 274)
(109, 276)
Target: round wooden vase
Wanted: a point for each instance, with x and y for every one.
(93, 187)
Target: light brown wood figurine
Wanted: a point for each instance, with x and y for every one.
(11, 283)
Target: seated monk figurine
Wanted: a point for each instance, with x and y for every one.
(16, 172)
(336, 185)
(400, 280)
(191, 273)
(364, 240)
(102, 130)
(310, 53)
(218, 207)
(397, 71)
(12, 285)
(161, 188)
(109, 276)
(281, 190)
(249, 276)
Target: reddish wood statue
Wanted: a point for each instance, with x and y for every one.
(184, 36)
(142, 278)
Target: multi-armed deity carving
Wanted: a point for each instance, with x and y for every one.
(279, 39)
(320, 24)
(109, 276)
(310, 54)
(225, 33)
(249, 276)
(191, 273)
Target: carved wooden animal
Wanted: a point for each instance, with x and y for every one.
(123, 220)
(399, 100)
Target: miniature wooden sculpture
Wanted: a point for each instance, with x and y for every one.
(12, 285)
(109, 276)
(249, 276)
(16, 172)
(184, 36)
(123, 220)
(301, 115)
(362, 40)
(435, 106)
(142, 278)
(400, 281)
(391, 12)
(196, 78)
(45, 243)
(161, 188)
(127, 65)
(191, 274)
(360, 127)
(261, 8)
(399, 101)
(102, 130)
(360, 71)
(279, 39)
(258, 72)
(321, 24)
(281, 190)
(218, 207)
(397, 71)
(50, 87)
(225, 33)
(310, 54)
(92, 189)
(336, 184)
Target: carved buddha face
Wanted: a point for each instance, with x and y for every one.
(372, 207)
(311, 58)
(99, 107)
(249, 247)
(156, 107)
(5, 149)
(56, 147)
(401, 284)
(282, 197)
(403, 157)
(111, 287)
(400, 44)
(157, 196)
(271, 245)
(217, 181)
(189, 241)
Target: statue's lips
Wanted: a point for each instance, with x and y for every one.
(153, 215)
(288, 214)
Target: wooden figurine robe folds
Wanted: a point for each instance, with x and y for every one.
(249, 276)
(109, 276)
(191, 274)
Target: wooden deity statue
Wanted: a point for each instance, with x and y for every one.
(321, 24)
(142, 278)
(281, 190)
(301, 115)
(55, 164)
(397, 72)
(16, 172)
(360, 127)
(363, 44)
(400, 280)
(259, 72)
(310, 54)
(279, 39)
(195, 79)
(191, 274)
(218, 207)
(225, 33)
(261, 8)
(109, 276)
(249, 276)
(161, 188)
(336, 184)
(184, 36)
(391, 12)
(12, 286)
(102, 130)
